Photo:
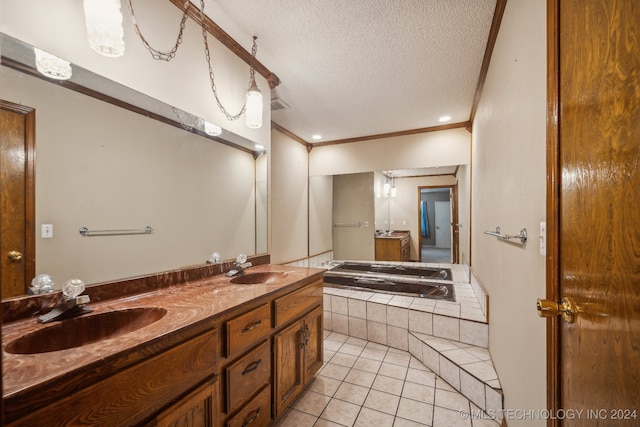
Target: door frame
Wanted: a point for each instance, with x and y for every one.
(455, 233)
(553, 209)
(30, 180)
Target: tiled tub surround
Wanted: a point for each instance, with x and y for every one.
(449, 338)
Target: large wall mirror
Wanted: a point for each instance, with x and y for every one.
(431, 204)
(104, 167)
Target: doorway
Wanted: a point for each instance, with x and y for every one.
(438, 213)
(17, 198)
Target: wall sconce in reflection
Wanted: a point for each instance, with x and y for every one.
(52, 66)
(211, 129)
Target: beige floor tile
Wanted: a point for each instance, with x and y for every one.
(415, 411)
(393, 371)
(359, 377)
(398, 358)
(311, 403)
(334, 371)
(326, 423)
(368, 384)
(384, 402)
(388, 385)
(344, 359)
(368, 365)
(352, 393)
(401, 422)
(419, 392)
(325, 385)
(448, 417)
(370, 418)
(351, 349)
(451, 400)
(341, 412)
(374, 354)
(295, 418)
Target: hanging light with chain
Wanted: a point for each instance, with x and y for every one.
(106, 36)
(252, 107)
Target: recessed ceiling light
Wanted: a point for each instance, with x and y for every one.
(444, 119)
(316, 137)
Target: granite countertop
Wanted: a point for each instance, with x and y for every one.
(393, 235)
(192, 306)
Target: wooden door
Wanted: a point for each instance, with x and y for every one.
(594, 210)
(288, 373)
(314, 338)
(17, 198)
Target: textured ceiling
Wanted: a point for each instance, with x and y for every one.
(352, 68)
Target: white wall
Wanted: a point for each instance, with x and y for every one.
(443, 148)
(289, 189)
(509, 173)
(464, 212)
(320, 214)
(353, 202)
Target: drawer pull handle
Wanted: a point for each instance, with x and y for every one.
(248, 420)
(252, 366)
(251, 326)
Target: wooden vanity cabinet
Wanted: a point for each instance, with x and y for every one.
(170, 382)
(247, 371)
(198, 408)
(240, 369)
(393, 248)
(298, 347)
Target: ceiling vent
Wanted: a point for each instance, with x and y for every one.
(278, 104)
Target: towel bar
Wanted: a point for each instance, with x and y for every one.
(522, 236)
(86, 232)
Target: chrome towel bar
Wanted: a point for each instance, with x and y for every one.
(86, 232)
(522, 236)
(346, 224)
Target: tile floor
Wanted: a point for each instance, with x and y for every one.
(368, 384)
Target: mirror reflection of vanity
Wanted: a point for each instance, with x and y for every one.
(104, 167)
(369, 221)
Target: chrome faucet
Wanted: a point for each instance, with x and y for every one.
(72, 304)
(239, 266)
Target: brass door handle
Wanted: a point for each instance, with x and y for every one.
(567, 308)
(14, 256)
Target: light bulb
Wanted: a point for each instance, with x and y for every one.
(253, 111)
(105, 34)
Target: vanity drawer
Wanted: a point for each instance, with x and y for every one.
(256, 413)
(248, 329)
(247, 375)
(296, 303)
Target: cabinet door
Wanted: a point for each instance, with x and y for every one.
(288, 373)
(197, 409)
(313, 338)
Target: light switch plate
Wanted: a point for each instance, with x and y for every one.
(47, 231)
(543, 238)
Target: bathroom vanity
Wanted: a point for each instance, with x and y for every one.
(395, 246)
(217, 351)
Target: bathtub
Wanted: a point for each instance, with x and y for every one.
(400, 279)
